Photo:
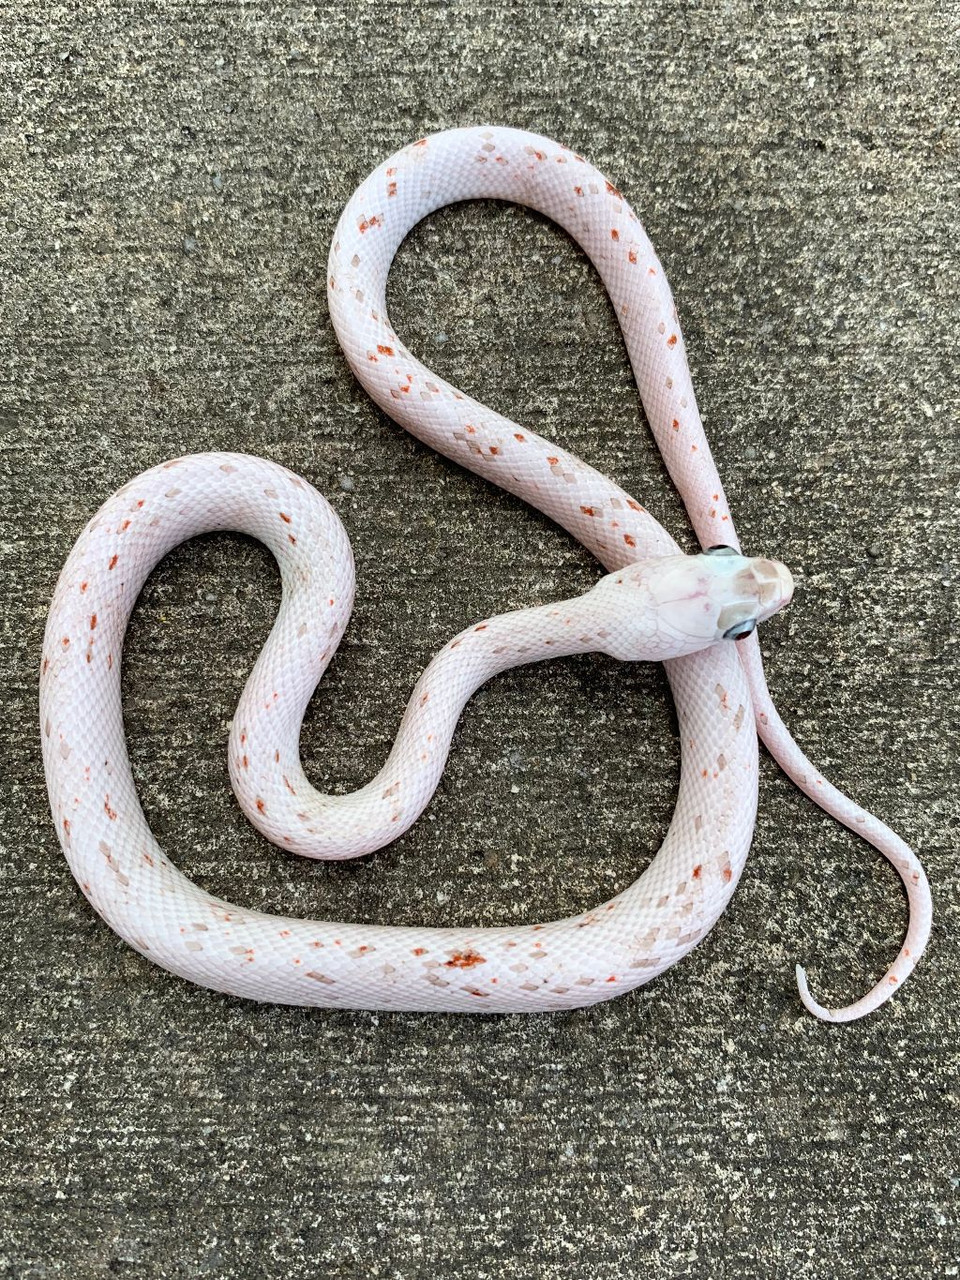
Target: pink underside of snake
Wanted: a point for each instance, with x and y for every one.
(720, 692)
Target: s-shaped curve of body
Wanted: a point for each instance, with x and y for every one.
(654, 604)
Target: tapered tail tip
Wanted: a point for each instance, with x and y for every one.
(811, 1005)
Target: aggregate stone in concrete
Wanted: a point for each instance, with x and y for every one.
(172, 175)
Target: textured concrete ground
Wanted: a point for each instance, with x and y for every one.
(171, 178)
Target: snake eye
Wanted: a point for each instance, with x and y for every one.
(721, 550)
(740, 630)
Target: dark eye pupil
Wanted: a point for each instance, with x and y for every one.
(740, 629)
(721, 550)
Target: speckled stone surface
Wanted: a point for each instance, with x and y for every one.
(171, 178)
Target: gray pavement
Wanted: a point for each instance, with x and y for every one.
(171, 178)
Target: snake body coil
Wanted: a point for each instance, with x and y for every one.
(654, 604)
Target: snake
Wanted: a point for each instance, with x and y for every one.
(697, 614)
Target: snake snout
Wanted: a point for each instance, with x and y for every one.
(773, 584)
(757, 589)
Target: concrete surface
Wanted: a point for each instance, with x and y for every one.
(172, 174)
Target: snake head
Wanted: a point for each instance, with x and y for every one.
(672, 605)
(751, 589)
